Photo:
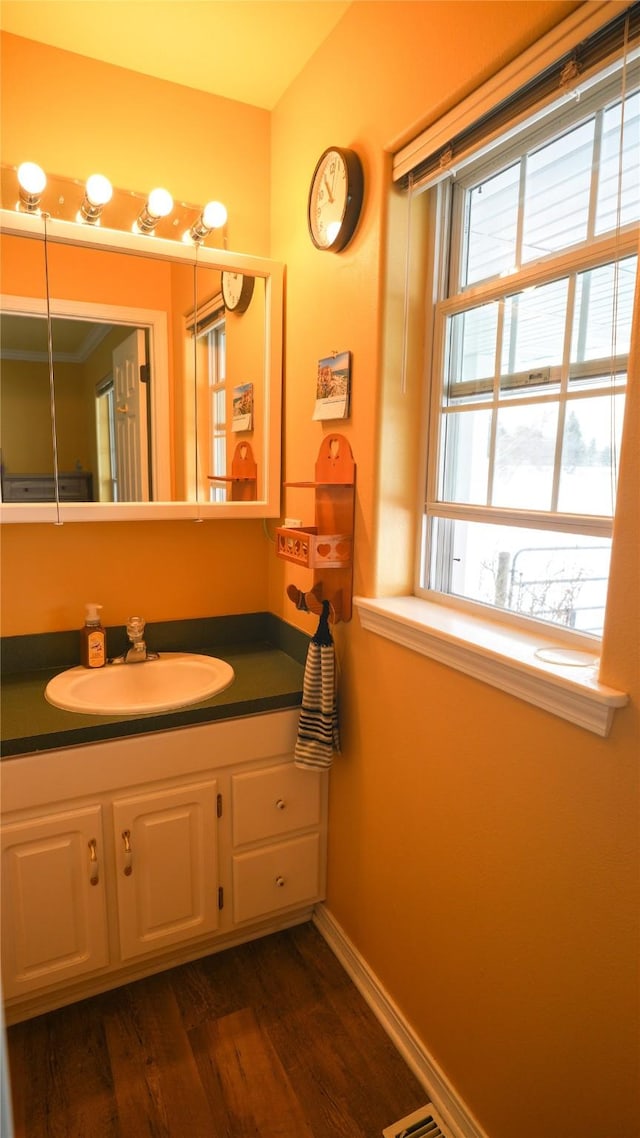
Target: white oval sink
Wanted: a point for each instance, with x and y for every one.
(176, 679)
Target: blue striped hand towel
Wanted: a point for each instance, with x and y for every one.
(318, 735)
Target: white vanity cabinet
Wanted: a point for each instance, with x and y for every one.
(122, 858)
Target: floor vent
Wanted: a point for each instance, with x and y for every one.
(423, 1123)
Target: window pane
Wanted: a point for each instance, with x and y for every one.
(472, 345)
(492, 226)
(220, 405)
(556, 208)
(556, 577)
(534, 329)
(592, 432)
(612, 199)
(603, 311)
(525, 451)
(466, 457)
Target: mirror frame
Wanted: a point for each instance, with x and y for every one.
(272, 272)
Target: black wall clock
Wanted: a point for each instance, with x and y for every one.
(237, 291)
(335, 199)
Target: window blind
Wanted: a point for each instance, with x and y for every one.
(209, 312)
(560, 63)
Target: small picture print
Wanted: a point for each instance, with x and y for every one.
(333, 387)
(242, 407)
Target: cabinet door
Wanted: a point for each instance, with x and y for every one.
(54, 925)
(167, 866)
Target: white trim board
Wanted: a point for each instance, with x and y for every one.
(440, 1090)
(503, 655)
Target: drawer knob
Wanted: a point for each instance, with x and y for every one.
(280, 881)
(280, 804)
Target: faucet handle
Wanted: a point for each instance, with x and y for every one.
(135, 627)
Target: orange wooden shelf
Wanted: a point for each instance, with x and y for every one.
(244, 474)
(327, 546)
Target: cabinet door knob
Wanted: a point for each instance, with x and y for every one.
(94, 872)
(128, 855)
(280, 804)
(280, 881)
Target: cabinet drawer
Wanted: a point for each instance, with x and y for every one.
(268, 803)
(72, 487)
(278, 877)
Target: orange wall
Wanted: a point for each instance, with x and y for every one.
(189, 144)
(483, 854)
(25, 405)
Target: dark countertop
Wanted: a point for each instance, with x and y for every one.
(267, 678)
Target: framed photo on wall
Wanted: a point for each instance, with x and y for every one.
(333, 387)
(242, 407)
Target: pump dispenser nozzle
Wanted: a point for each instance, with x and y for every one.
(93, 614)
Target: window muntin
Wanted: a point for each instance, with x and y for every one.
(530, 361)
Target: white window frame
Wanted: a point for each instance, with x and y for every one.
(215, 334)
(546, 666)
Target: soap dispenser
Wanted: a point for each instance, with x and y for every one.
(93, 640)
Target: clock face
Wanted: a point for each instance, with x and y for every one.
(237, 291)
(335, 199)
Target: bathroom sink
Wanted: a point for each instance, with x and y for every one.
(175, 679)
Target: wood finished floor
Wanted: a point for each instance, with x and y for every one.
(267, 1040)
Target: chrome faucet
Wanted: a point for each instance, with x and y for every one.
(138, 653)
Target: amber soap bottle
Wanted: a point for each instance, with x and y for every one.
(93, 640)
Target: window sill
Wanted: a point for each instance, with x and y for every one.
(502, 656)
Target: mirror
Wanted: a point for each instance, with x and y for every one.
(154, 386)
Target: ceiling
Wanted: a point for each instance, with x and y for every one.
(26, 338)
(249, 50)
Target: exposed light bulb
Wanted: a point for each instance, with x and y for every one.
(160, 202)
(214, 215)
(31, 178)
(32, 181)
(97, 192)
(99, 189)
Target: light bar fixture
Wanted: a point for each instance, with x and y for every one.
(97, 193)
(158, 205)
(213, 216)
(32, 181)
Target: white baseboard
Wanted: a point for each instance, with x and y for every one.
(436, 1084)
